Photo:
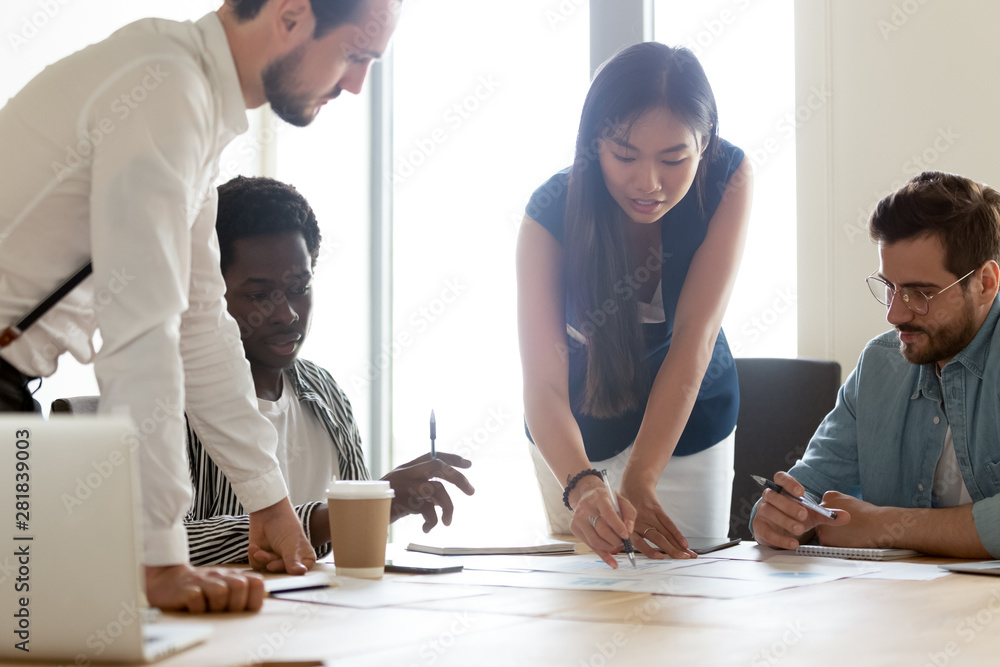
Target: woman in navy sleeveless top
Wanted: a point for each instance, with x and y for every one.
(625, 264)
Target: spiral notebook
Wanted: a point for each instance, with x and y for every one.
(852, 553)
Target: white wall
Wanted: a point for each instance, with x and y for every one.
(885, 89)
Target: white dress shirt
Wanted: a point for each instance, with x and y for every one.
(111, 154)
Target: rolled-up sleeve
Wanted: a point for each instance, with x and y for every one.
(986, 514)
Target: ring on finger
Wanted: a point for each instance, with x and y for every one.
(593, 521)
(646, 531)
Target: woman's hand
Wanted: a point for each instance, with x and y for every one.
(652, 523)
(595, 520)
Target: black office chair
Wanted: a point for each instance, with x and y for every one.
(782, 401)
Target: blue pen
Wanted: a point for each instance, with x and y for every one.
(433, 435)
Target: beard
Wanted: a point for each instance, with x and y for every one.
(279, 78)
(945, 343)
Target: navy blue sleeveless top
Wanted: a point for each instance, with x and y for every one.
(683, 231)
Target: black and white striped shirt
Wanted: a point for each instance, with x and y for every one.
(218, 529)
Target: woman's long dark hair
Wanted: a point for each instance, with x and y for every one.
(639, 78)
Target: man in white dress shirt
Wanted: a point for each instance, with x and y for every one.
(110, 156)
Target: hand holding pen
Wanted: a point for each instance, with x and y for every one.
(598, 520)
(785, 516)
(626, 542)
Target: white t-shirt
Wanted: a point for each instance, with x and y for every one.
(949, 487)
(306, 456)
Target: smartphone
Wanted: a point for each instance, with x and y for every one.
(421, 569)
(706, 545)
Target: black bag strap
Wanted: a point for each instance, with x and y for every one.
(14, 331)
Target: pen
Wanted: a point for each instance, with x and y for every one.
(433, 436)
(629, 549)
(801, 500)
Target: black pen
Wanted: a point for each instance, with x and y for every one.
(433, 435)
(629, 549)
(801, 500)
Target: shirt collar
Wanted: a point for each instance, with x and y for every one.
(972, 356)
(222, 68)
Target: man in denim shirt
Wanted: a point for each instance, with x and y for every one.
(910, 455)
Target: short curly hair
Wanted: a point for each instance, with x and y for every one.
(963, 214)
(250, 207)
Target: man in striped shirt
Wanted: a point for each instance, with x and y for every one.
(269, 241)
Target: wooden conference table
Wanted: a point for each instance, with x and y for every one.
(953, 620)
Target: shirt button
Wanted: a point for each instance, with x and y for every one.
(937, 420)
(920, 487)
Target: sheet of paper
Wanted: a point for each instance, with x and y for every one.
(576, 564)
(371, 593)
(795, 569)
(867, 569)
(655, 584)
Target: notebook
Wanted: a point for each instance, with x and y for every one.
(852, 553)
(495, 548)
(71, 585)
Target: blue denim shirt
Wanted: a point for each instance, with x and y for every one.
(882, 441)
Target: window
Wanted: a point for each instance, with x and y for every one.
(748, 51)
(482, 118)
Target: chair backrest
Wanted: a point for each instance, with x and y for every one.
(77, 405)
(782, 401)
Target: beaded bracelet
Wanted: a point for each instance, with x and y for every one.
(571, 484)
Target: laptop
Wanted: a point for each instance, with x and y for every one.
(979, 567)
(71, 546)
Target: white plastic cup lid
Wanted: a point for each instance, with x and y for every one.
(350, 489)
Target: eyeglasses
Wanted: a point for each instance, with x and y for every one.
(915, 300)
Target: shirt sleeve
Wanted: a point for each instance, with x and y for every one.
(166, 337)
(225, 539)
(547, 205)
(147, 178)
(221, 403)
(986, 514)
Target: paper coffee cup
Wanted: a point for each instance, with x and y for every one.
(359, 526)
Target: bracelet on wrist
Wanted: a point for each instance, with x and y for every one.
(571, 484)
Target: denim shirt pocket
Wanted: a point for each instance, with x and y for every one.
(993, 470)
